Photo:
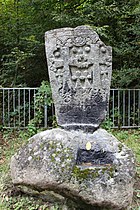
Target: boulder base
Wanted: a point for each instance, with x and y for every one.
(94, 170)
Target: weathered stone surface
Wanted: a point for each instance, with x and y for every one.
(57, 160)
(80, 67)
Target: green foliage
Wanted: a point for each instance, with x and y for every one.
(107, 124)
(25, 202)
(42, 98)
(14, 64)
(131, 138)
(23, 24)
(17, 34)
(126, 77)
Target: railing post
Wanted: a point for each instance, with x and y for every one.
(134, 101)
(129, 107)
(45, 111)
(124, 93)
(8, 107)
(118, 108)
(139, 108)
(19, 107)
(3, 114)
(113, 109)
(34, 102)
(13, 107)
(29, 105)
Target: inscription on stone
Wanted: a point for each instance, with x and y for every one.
(80, 67)
(93, 157)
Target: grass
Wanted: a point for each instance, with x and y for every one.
(131, 138)
(12, 198)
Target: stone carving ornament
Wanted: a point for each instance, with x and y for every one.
(80, 67)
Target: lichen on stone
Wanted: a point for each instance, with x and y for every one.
(120, 146)
(82, 173)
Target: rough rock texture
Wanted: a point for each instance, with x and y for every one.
(80, 67)
(58, 160)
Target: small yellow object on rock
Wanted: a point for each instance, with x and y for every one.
(88, 146)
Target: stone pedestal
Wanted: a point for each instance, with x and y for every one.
(59, 161)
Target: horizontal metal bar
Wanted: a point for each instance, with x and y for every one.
(123, 89)
(26, 88)
(131, 126)
(43, 127)
(32, 88)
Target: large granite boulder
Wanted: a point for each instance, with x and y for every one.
(94, 170)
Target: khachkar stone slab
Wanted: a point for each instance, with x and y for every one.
(80, 67)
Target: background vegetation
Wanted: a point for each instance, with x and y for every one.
(24, 22)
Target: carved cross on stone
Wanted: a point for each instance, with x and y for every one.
(80, 67)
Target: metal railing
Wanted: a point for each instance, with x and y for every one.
(124, 108)
(17, 108)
